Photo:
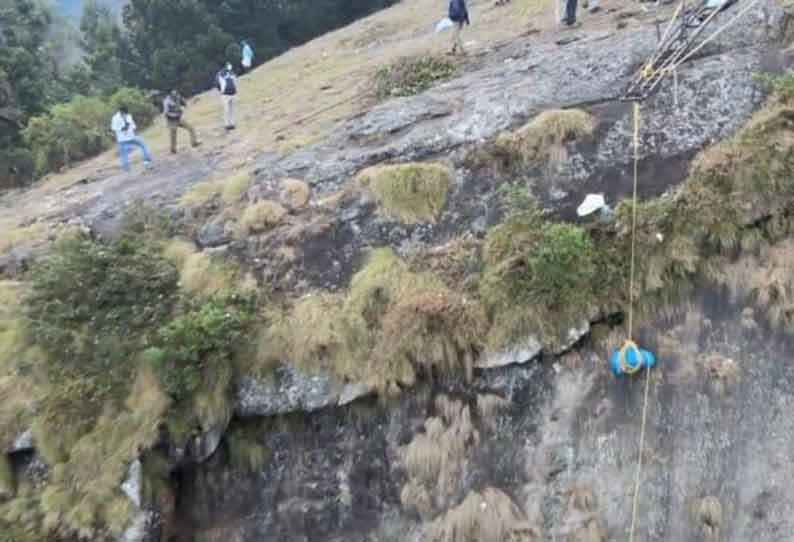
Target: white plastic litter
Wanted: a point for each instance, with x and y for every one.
(591, 204)
(444, 24)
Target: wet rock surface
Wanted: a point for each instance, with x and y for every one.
(563, 446)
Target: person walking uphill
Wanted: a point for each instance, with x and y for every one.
(172, 111)
(458, 14)
(227, 85)
(247, 56)
(123, 125)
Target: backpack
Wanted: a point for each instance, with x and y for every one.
(229, 87)
(174, 110)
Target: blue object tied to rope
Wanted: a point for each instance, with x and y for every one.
(630, 359)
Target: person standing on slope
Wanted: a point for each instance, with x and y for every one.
(227, 85)
(172, 111)
(248, 56)
(458, 14)
(570, 14)
(124, 127)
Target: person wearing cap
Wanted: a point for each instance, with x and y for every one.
(226, 83)
(173, 112)
(124, 127)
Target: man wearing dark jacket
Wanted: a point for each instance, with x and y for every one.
(172, 111)
(458, 14)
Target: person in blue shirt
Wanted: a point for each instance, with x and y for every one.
(248, 55)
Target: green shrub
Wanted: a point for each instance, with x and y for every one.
(68, 133)
(80, 129)
(411, 75)
(89, 302)
(192, 347)
(138, 103)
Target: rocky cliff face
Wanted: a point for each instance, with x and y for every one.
(560, 438)
(545, 451)
(543, 442)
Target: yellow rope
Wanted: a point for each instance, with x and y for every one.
(630, 343)
(634, 216)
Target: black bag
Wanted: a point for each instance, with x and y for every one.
(229, 87)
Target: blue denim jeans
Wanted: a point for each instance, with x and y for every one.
(124, 152)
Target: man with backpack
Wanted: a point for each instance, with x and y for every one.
(458, 14)
(124, 127)
(227, 85)
(172, 111)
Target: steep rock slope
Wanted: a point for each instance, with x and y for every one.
(542, 451)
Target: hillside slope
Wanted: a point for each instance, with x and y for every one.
(425, 355)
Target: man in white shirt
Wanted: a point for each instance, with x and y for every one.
(124, 127)
(227, 85)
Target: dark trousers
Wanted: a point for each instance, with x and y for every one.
(570, 11)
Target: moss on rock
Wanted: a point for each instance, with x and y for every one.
(411, 193)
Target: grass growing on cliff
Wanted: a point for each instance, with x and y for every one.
(87, 357)
(245, 445)
(410, 193)
(540, 141)
(489, 514)
(411, 75)
(436, 460)
(391, 323)
(260, 217)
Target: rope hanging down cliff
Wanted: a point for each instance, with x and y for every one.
(675, 47)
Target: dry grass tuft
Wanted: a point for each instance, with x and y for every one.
(234, 187)
(13, 237)
(391, 323)
(540, 141)
(177, 251)
(486, 516)
(202, 276)
(201, 193)
(312, 335)
(259, 217)
(436, 459)
(767, 279)
(295, 194)
(411, 193)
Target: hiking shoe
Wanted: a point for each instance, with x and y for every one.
(571, 26)
(196, 144)
(148, 165)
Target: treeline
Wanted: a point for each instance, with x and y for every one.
(152, 45)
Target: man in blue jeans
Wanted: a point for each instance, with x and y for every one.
(124, 127)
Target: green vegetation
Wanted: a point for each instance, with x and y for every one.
(244, 445)
(389, 325)
(110, 349)
(411, 75)
(80, 128)
(235, 187)
(540, 141)
(260, 217)
(411, 193)
(50, 70)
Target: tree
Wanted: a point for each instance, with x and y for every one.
(102, 44)
(174, 43)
